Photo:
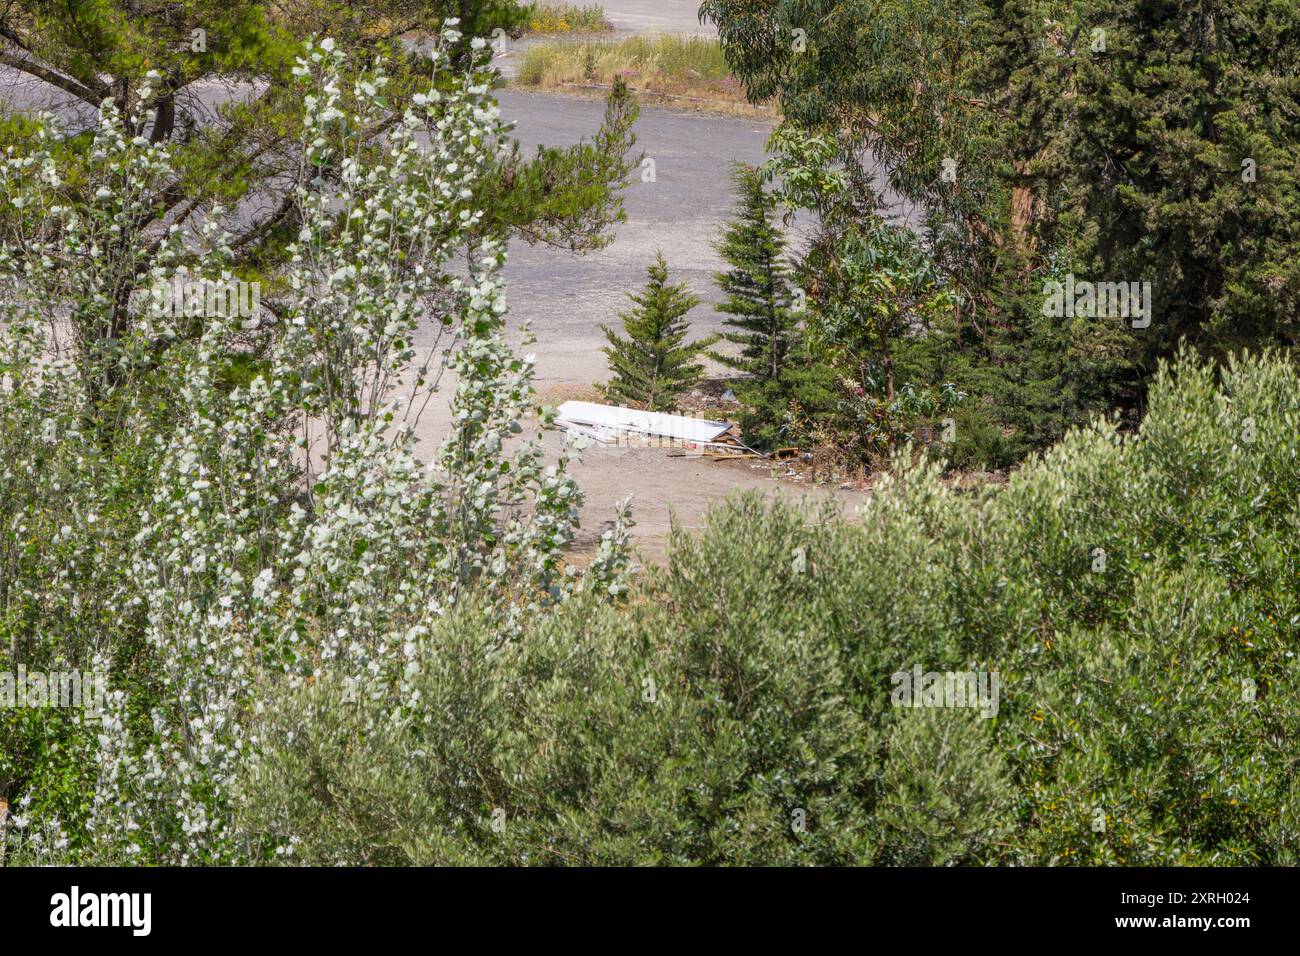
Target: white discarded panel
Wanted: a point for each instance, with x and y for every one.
(603, 435)
(609, 421)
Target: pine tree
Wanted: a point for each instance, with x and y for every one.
(1190, 171)
(654, 364)
(757, 286)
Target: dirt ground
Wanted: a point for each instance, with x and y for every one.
(664, 486)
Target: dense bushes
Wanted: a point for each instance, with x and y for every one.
(321, 646)
(1115, 140)
(738, 709)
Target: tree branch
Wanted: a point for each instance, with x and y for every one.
(66, 83)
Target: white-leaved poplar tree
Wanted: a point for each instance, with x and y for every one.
(286, 524)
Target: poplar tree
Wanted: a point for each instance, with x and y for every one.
(213, 80)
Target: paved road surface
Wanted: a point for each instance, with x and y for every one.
(566, 296)
(657, 16)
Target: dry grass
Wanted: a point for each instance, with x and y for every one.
(566, 18)
(690, 69)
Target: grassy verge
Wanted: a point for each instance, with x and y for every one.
(688, 69)
(562, 18)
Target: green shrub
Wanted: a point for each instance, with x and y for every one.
(738, 710)
(946, 793)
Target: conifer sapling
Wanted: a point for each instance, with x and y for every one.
(653, 364)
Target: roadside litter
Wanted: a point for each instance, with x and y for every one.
(618, 425)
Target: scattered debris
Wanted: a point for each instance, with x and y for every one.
(710, 400)
(715, 455)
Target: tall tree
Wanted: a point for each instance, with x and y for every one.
(1180, 155)
(1130, 139)
(757, 286)
(653, 364)
(1119, 140)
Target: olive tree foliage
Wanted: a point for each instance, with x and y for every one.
(261, 517)
(1137, 596)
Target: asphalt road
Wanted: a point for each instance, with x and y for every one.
(566, 296)
(657, 16)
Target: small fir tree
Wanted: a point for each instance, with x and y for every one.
(654, 364)
(758, 291)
